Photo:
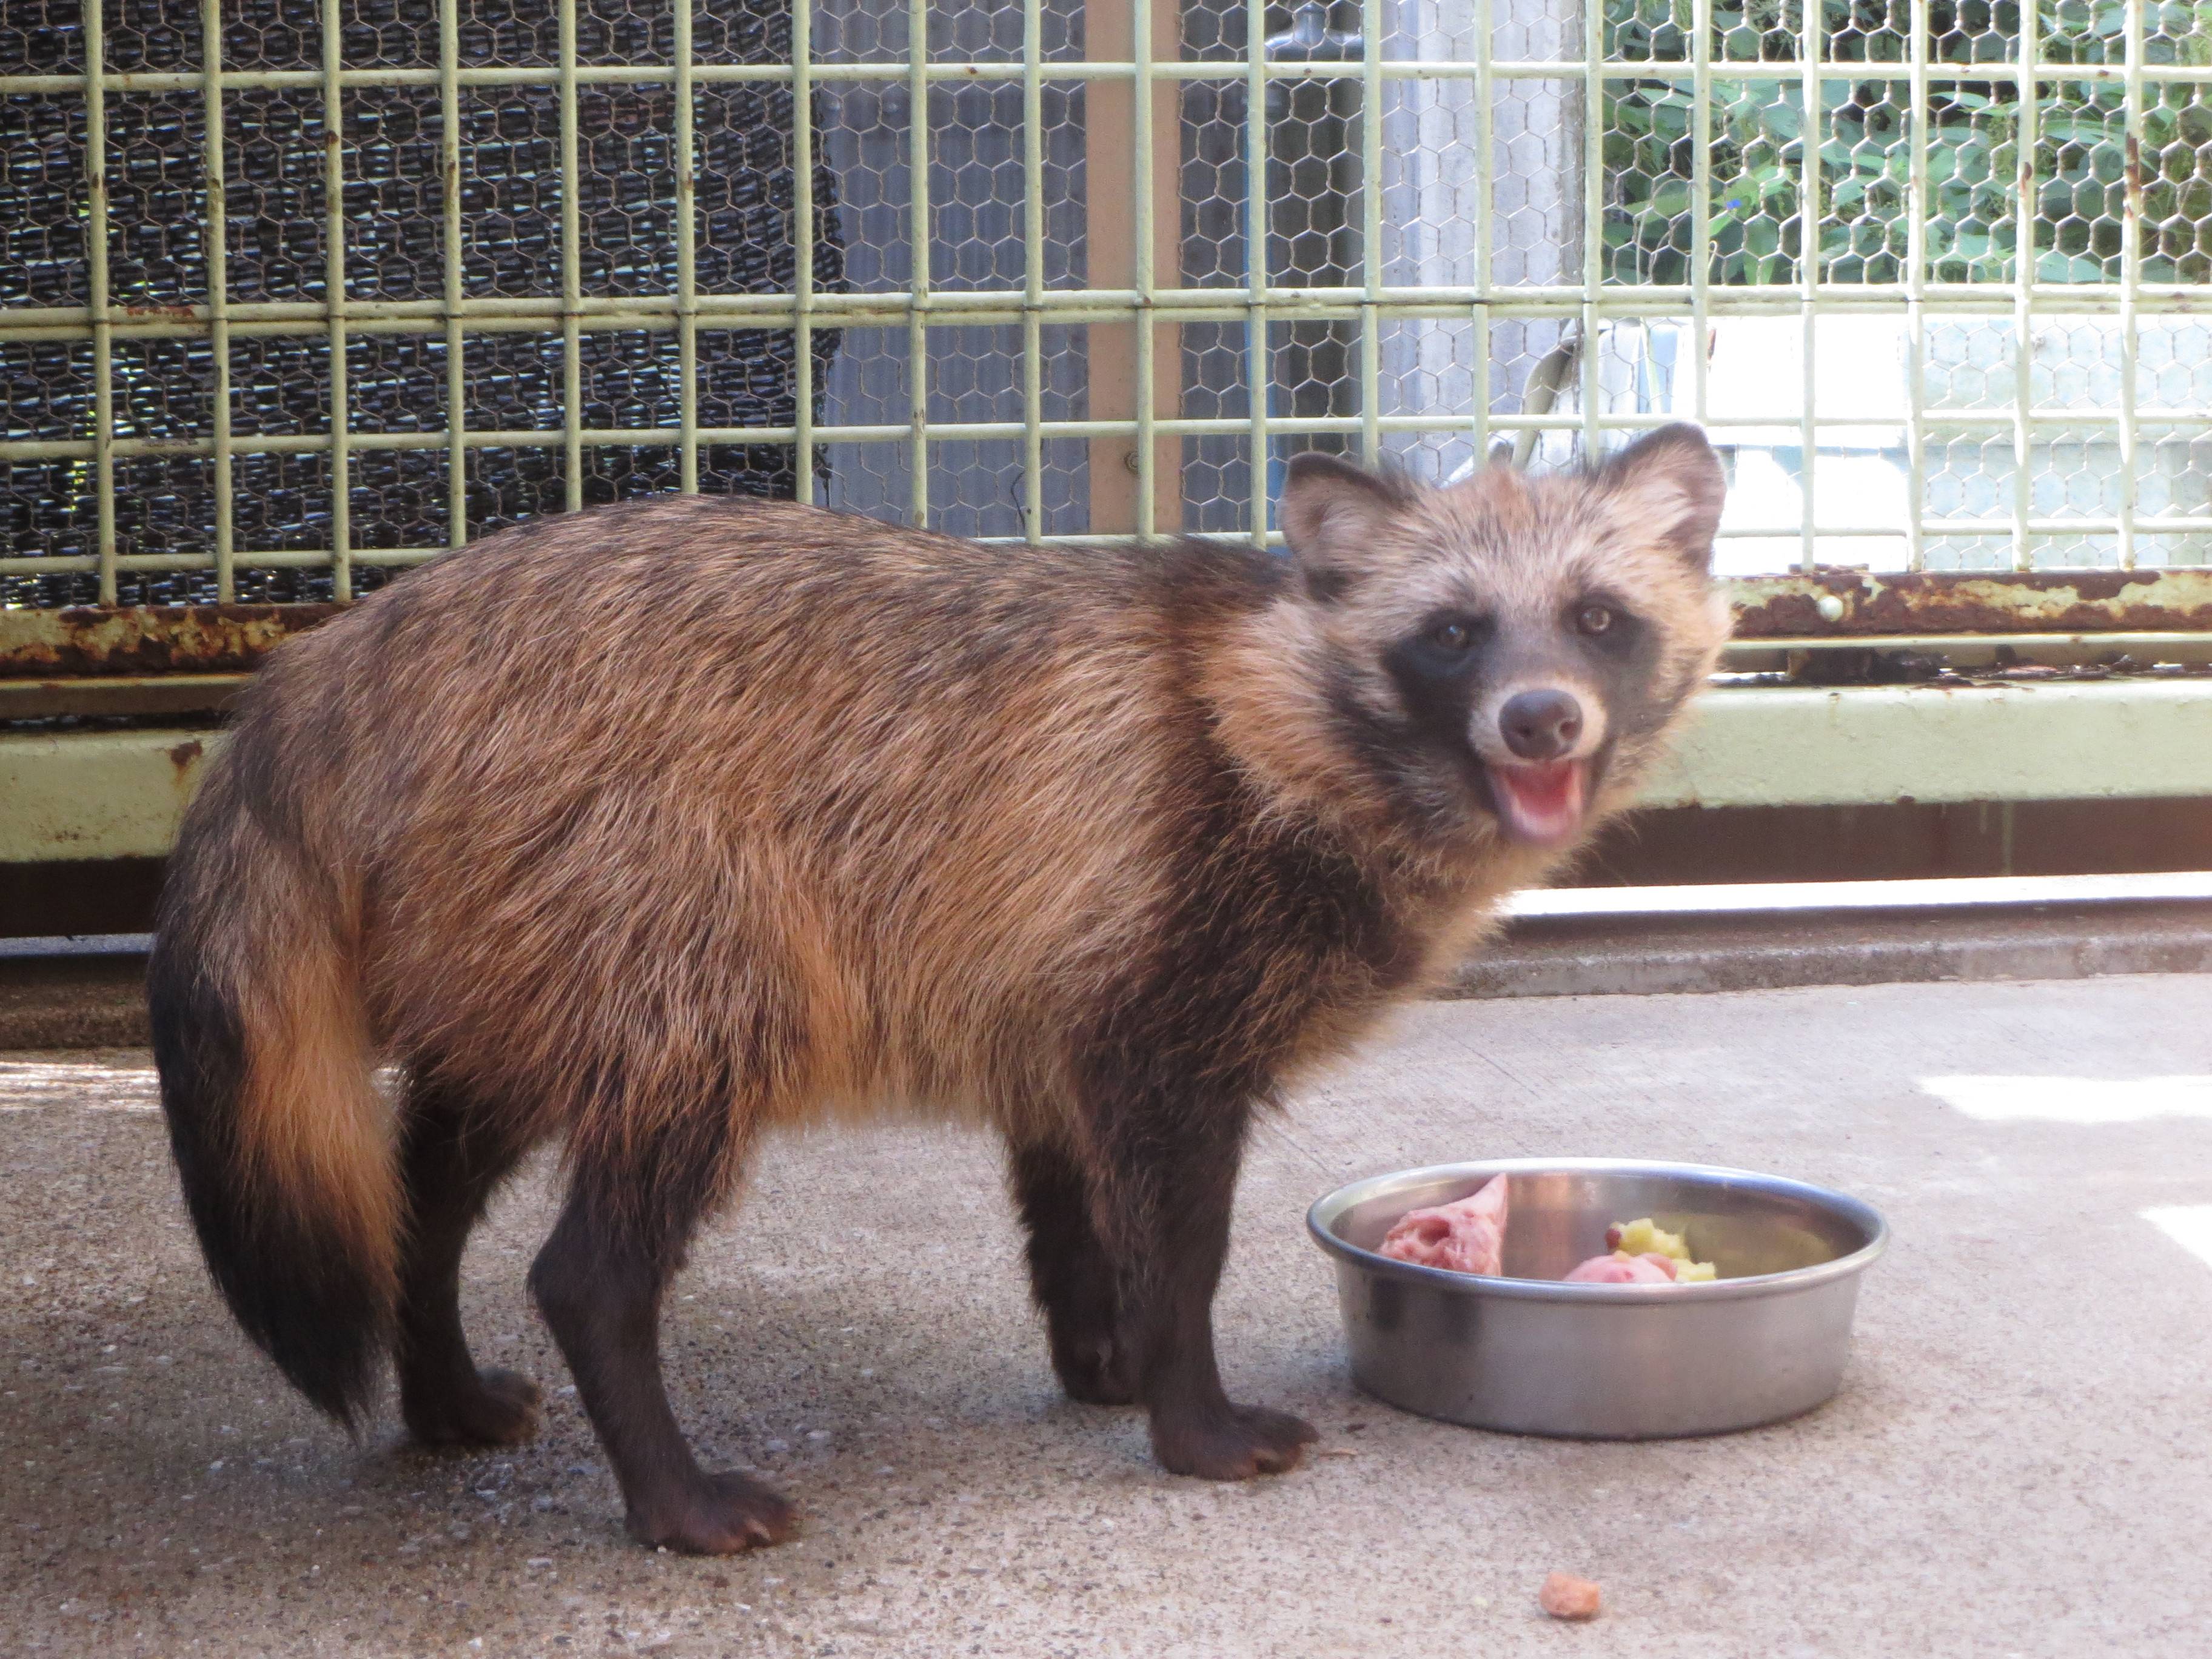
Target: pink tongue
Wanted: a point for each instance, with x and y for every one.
(1542, 803)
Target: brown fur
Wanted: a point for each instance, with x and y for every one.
(644, 829)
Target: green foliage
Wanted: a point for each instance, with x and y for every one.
(1756, 229)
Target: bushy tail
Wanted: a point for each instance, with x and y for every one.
(283, 1143)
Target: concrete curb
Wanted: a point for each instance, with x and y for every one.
(96, 1000)
(1629, 955)
(73, 1002)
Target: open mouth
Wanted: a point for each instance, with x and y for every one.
(1540, 805)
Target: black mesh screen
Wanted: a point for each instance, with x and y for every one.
(394, 235)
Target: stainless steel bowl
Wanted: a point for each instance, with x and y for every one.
(1531, 1355)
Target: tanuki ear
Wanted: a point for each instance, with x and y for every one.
(1330, 513)
(1667, 487)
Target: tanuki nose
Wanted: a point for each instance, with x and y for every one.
(1540, 725)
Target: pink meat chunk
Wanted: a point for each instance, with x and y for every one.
(1613, 1268)
(1467, 1237)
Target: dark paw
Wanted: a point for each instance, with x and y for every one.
(1231, 1442)
(1091, 1370)
(716, 1514)
(500, 1410)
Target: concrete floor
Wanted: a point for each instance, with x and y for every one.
(2021, 1461)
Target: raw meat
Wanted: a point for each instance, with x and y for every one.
(1619, 1268)
(1641, 1240)
(1467, 1237)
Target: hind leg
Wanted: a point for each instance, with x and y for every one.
(1072, 1277)
(600, 1282)
(452, 1159)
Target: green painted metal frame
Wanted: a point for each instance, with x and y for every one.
(117, 794)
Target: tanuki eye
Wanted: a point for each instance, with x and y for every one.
(1452, 635)
(1594, 618)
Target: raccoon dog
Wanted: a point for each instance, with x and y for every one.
(647, 828)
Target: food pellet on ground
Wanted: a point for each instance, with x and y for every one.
(1565, 1596)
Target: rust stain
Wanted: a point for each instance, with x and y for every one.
(173, 314)
(185, 754)
(229, 639)
(1845, 603)
(200, 639)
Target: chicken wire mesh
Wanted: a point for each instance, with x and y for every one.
(297, 293)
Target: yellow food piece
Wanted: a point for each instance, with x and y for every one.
(1644, 1237)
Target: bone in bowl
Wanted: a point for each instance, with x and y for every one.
(1524, 1352)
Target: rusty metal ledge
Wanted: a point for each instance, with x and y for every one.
(1827, 604)
(1833, 602)
(195, 639)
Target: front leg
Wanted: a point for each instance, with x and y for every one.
(1164, 1189)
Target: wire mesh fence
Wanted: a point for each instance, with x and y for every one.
(298, 293)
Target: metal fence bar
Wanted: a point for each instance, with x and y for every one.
(1811, 41)
(1916, 210)
(919, 243)
(395, 558)
(103, 348)
(992, 306)
(2131, 216)
(334, 297)
(1142, 124)
(218, 288)
(967, 71)
(572, 268)
(1258, 374)
(1299, 426)
(1593, 228)
(1485, 158)
(802, 238)
(449, 163)
(687, 257)
(1032, 269)
(1701, 207)
(2024, 275)
(1370, 227)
